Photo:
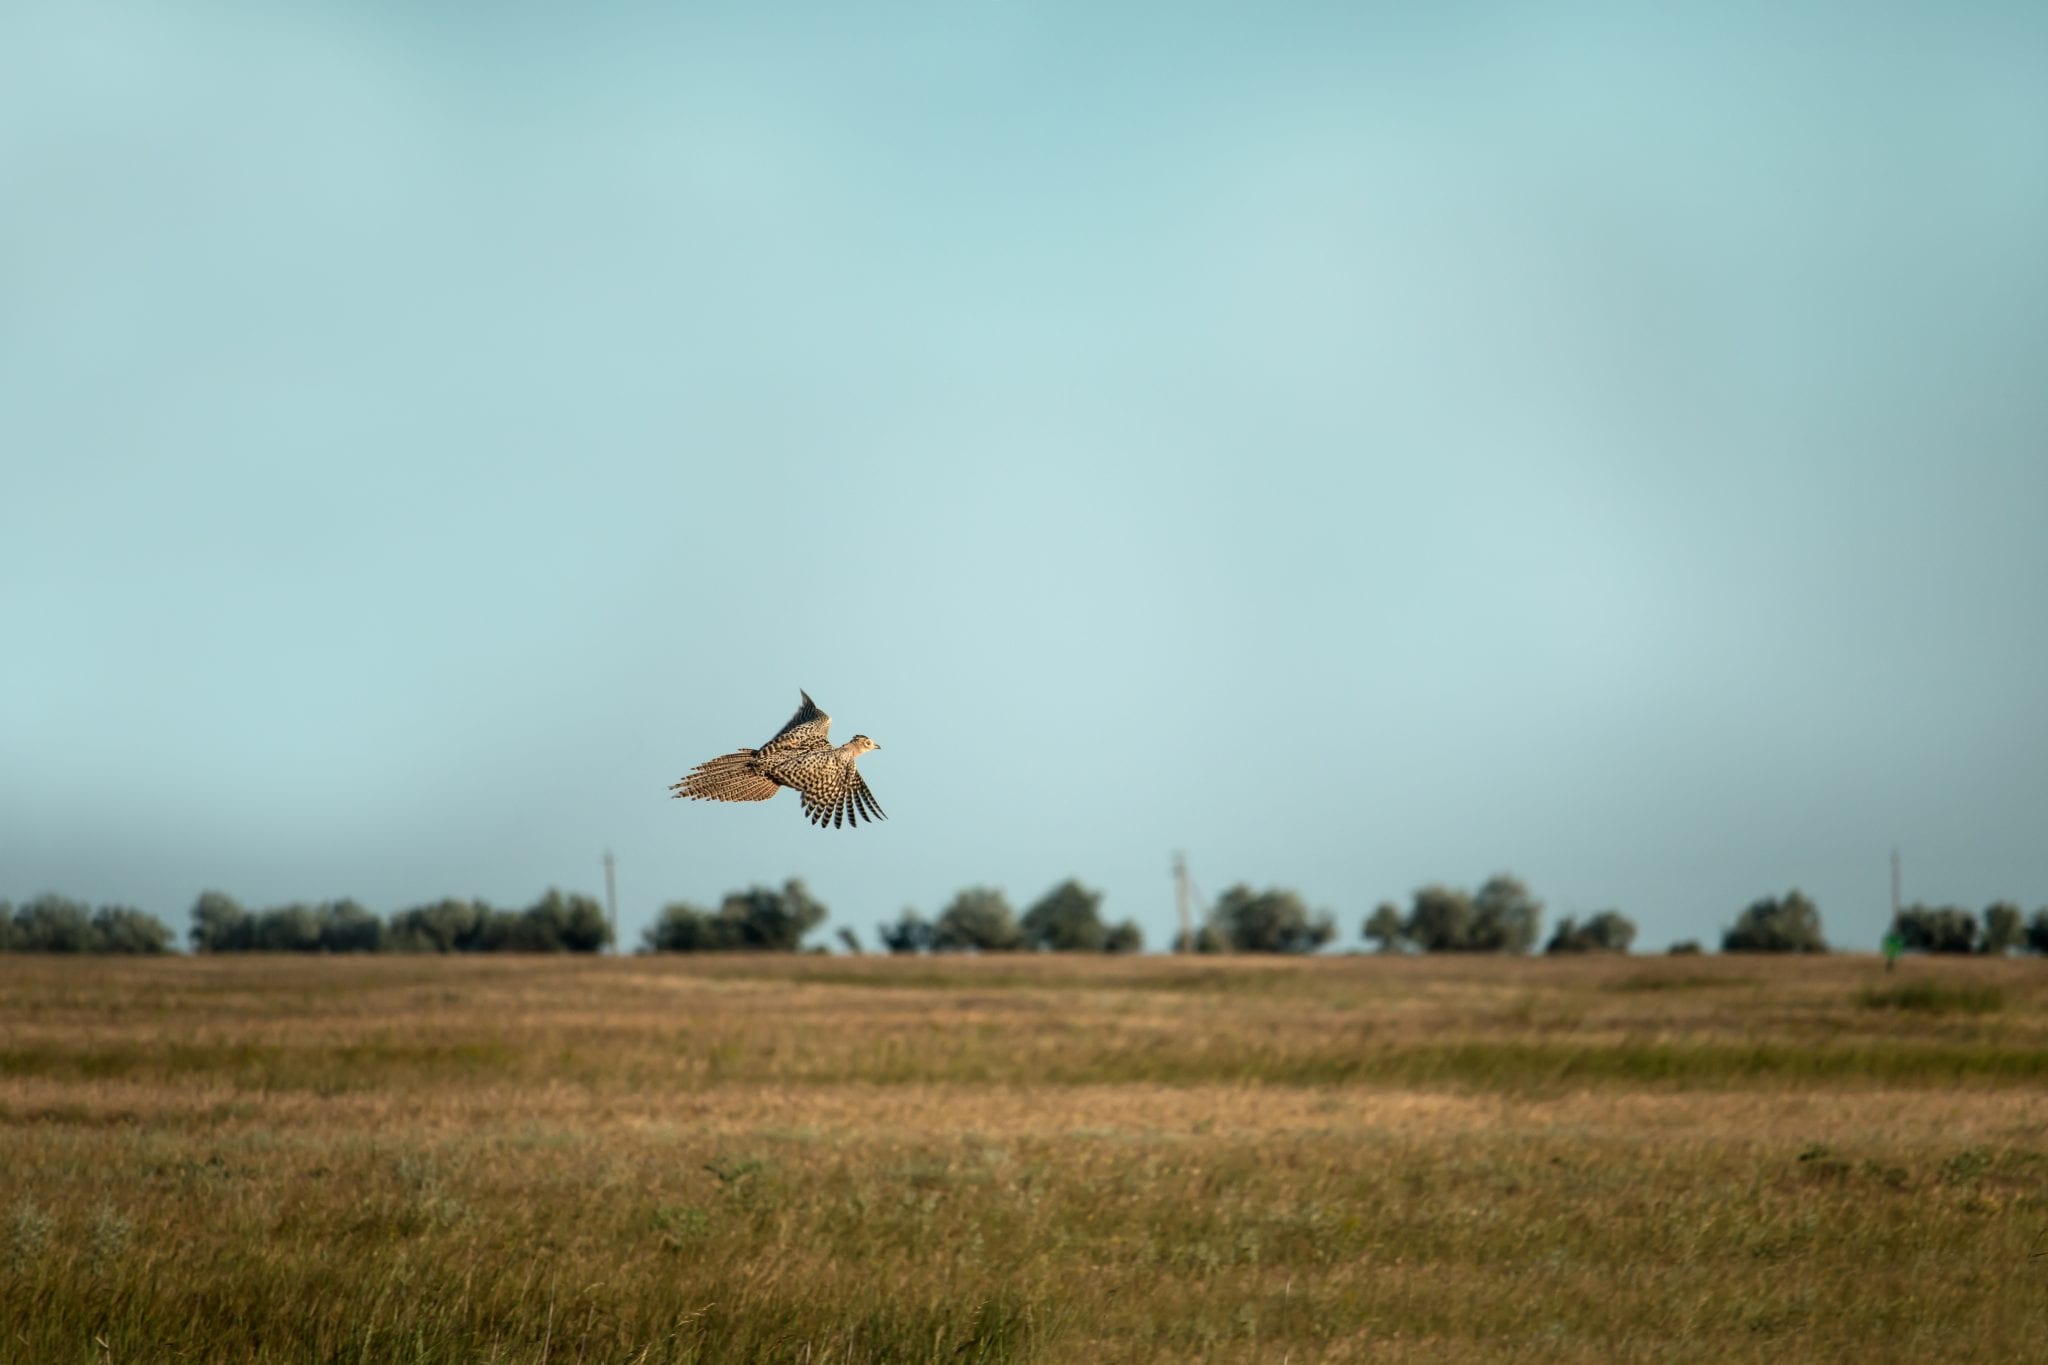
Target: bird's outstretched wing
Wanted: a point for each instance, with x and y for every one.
(830, 787)
(806, 730)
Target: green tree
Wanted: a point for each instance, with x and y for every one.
(1502, 918)
(1774, 925)
(1066, 919)
(2005, 928)
(1610, 931)
(685, 928)
(293, 928)
(1383, 927)
(501, 931)
(567, 923)
(1936, 928)
(2037, 931)
(979, 919)
(775, 921)
(1505, 917)
(1126, 937)
(347, 927)
(51, 923)
(1269, 921)
(7, 933)
(124, 929)
(850, 941)
(556, 923)
(220, 924)
(911, 933)
(448, 925)
(1685, 947)
(758, 919)
(1439, 920)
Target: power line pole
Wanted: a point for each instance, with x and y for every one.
(1186, 942)
(1894, 942)
(611, 900)
(1189, 898)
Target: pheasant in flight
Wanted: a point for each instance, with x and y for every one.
(798, 756)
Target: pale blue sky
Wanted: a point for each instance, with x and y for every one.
(1358, 445)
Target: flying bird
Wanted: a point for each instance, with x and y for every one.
(799, 756)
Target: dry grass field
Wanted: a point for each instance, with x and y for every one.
(830, 1159)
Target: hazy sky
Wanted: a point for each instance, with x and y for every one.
(1359, 445)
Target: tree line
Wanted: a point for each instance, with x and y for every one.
(1952, 929)
(1066, 919)
(555, 923)
(1501, 916)
(50, 923)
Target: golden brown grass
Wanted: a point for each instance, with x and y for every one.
(1022, 1158)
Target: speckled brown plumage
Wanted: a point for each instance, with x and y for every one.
(799, 756)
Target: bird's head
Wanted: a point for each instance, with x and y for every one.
(860, 744)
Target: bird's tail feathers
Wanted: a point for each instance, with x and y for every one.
(729, 777)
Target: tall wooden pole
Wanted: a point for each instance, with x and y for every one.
(1186, 942)
(611, 900)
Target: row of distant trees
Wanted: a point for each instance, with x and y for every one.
(556, 923)
(553, 924)
(758, 919)
(57, 924)
(1502, 916)
(1066, 919)
(1952, 929)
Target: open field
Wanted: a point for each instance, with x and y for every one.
(833, 1159)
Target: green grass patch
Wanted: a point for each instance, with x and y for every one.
(1678, 983)
(1935, 997)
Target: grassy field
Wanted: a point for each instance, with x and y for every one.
(832, 1159)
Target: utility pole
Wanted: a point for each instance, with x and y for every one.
(1188, 899)
(611, 900)
(1894, 942)
(1186, 942)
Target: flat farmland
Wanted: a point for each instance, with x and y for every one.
(1022, 1158)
